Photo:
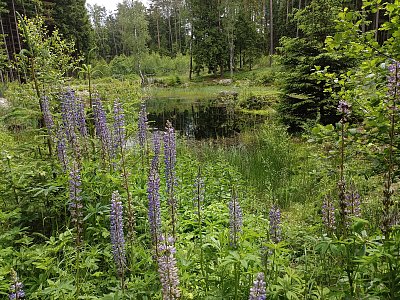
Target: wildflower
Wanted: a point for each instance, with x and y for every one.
(170, 159)
(168, 270)
(199, 192)
(68, 114)
(61, 148)
(75, 198)
(235, 220)
(344, 109)
(170, 155)
(119, 126)
(258, 290)
(154, 214)
(102, 130)
(394, 79)
(328, 214)
(16, 288)
(275, 230)
(47, 117)
(80, 117)
(142, 126)
(117, 232)
(156, 150)
(353, 205)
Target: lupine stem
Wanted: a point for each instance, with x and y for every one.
(387, 202)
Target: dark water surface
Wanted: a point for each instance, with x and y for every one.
(200, 119)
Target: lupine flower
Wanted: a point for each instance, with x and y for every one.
(47, 117)
(119, 126)
(80, 117)
(75, 198)
(393, 81)
(68, 109)
(170, 159)
(199, 192)
(235, 220)
(16, 288)
(142, 126)
(258, 290)
(117, 232)
(153, 194)
(275, 230)
(102, 130)
(328, 214)
(170, 155)
(62, 148)
(156, 150)
(353, 205)
(344, 109)
(168, 270)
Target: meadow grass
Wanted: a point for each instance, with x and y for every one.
(277, 166)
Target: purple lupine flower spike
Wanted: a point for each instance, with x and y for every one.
(68, 114)
(75, 198)
(102, 130)
(170, 155)
(353, 205)
(235, 220)
(328, 214)
(275, 230)
(170, 160)
(62, 148)
(117, 232)
(142, 126)
(156, 150)
(199, 192)
(80, 117)
(153, 194)
(344, 109)
(47, 117)
(16, 288)
(258, 290)
(394, 79)
(119, 139)
(168, 270)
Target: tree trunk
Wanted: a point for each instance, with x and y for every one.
(231, 55)
(158, 34)
(5, 45)
(271, 33)
(376, 22)
(170, 31)
(191, 55)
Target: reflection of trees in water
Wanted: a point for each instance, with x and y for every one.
(199, 122)
(204, 121)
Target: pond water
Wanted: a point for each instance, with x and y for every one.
(202, 119)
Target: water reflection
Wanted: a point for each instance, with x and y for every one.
(199, 120)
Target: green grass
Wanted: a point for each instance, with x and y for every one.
(277, 166)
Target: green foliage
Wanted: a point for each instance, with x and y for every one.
(304, 98)
(71, 18)
(47, 58)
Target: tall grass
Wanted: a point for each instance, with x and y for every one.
(275, 164)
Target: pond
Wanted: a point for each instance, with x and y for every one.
(201, 119)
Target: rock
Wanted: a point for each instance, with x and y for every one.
(227, 81)
(4, 103)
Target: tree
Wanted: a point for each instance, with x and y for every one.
(304, 98)
(133, 26)
(248, 41)
(71, 18)
(210, 44)
(98, 17)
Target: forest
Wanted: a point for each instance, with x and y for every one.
(200, 149)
